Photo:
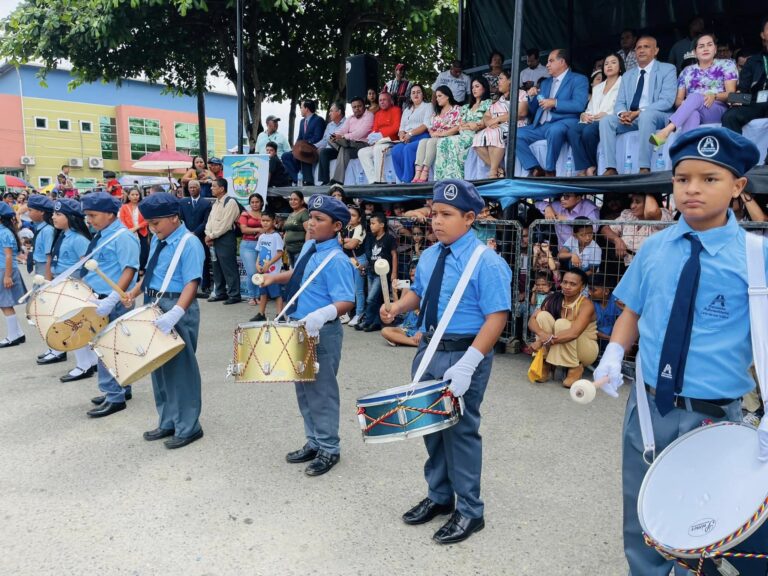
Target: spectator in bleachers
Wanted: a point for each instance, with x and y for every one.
(270, 134)
(399, 87)
(569, 207)
(746, 209)
(406, 333)
(495, 66)
(344, 143)
(535, 71)
(452, 150)
(702, 91)
(310, 134)
(741, 56)
(455, 80)
(354, 248)
(584, 137)
(379, 245)
(581, 250)
(682, 50)
(445, 122)
(372, 100)
(337, 191)
(336, 121)
(556, 108)
(542, 286)
(607, 309)
(724, 50)
(420, 214)
(413, 128)
(627, 52)
(598, 75)
(566, 327)
(626, 237)
(384, 133)
(490, 143)
(645, 102)
(752, 80)
(199, 171)
(278, 175)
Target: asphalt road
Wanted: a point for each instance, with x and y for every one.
(81, 496)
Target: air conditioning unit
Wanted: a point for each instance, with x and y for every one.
(27, 160)
(95, 162)
(76, 162)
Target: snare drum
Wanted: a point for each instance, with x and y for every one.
(64, 314)
(408, 411)
(705, 493)
(132, 346)
(273, 352)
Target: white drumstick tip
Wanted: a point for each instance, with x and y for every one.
(91, 265)
(583, 391)
(38, 279)
(381, 267)
(258, 279)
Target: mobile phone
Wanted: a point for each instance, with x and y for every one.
(403, 284)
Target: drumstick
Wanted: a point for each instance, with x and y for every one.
(37, 280)
(258, 279)
(93, 266)
(381, 267)
(583, 391)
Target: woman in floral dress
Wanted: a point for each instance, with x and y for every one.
(445, 122)
(452, 151)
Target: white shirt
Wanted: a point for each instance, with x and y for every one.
(460, 87)
(529, 75)
(645, 98)
(601, 102)
(413, 117)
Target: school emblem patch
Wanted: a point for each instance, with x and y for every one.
(708, 146)
(450, 192)
(318, 203)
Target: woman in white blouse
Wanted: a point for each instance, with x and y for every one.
(413, 127)
(585, 136)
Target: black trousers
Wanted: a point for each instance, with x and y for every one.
(324, 164)
(226, 276)
(205, 284)
(739, 116)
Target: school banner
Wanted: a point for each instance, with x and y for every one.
(246, 174)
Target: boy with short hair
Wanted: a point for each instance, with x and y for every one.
(381, 245)
(269, 254)
(685, 296)
(581, 250)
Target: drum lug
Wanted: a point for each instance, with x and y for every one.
(725, 568)
(302, 367)
(266, 368)
(316, 366)
(124, 329)
(140, 350)
(239, 337)
(267, 336)
(234, 369)
(361, 419)
(301, 337)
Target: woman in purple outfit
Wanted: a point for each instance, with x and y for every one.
(702, 90)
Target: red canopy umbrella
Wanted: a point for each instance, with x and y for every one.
(8, 181)
(163, 160)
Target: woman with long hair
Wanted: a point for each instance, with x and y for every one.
(131, 218)
(413, 128)
(445, 122)
(199, 171)
(250, 226)
(295, 226)
(372, 101)
(12, 287)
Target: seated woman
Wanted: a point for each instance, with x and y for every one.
(566, 327)
(585, 136)
(417, 115)
(702, 90)
(445, 122)
(372, 101)
(490, 143)
(626, 237)
(495, 67)
(452, 150)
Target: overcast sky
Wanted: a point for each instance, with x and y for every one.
(7, 6)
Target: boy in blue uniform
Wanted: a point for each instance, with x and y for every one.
(696, 352)
(119, 261)
(177, 383)
(330, 295)
(464, 355)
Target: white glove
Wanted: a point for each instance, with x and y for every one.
(317, 319)
(167, 321)
(106, 305)
(460, 374)
(610, 367)
(762, 440)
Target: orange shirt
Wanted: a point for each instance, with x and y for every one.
(387, 122)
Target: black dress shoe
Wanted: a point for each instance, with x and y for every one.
(425, 511)
(203, 294)
(177, 442)
(215, 298)
(303, 454)
(52, 359)
(258, 318)
(43, 355)
(6, 343)
(458, 528)
(157, 434)
(99, 400)
(106, 408)
(360, 326)
(322, 463)
(372, 328)
(81, 375)
(235, 300)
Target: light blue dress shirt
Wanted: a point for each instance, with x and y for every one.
(336, 283)
(43, 242)
(189, 268)
(73, 247)
(7, 240)
(121, 254)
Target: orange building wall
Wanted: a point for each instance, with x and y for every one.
(11, 132)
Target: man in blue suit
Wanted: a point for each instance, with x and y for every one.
(194, 214)
(645, 102)
(311, 130)
(556, 108)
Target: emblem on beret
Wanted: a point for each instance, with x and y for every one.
(708, 146)
(57, 206)
(318, 203)
(450, 192)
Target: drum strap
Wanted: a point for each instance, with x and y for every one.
(173, 264)
(453, 303)
(758, 310)
(301, 289)
(644, 414)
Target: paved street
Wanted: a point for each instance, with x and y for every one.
(81, 496)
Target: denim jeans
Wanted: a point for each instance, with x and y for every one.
(374, 301)
(360, 287)
(248, 256)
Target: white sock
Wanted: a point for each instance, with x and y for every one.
(14, 328)
(85, 357)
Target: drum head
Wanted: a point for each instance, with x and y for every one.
(400, 392)
(703, 488)
(75, 329)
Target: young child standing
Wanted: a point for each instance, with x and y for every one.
(606, 309)
(13, 286)
(464, 357)
(581, 250)
(381, 245)
(269, 256)
(695, 354)
(542, 286)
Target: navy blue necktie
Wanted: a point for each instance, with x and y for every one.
(677, 340)
(638, 93)
(30, 256)
(56, 249)
(298, 275)
(429, 303)
(91, 247)
(150, 269)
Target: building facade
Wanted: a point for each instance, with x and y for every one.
(100, 126)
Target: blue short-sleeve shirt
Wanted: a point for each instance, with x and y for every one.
(113, 259)
(73, 247)
(489, 289)
(189, 268)
(7, 240)
(336, 283)
(721, 348)
(43, 242)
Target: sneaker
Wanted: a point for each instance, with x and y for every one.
(355, 320)
(751, 419)
(259, 318)
(344, 318)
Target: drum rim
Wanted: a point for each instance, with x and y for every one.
(752, 523)
(128, 315)
(290, 324)
(419, 389)
(415, 433)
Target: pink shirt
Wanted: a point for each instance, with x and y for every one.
(357, 129)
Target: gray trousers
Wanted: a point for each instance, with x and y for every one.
(647, 123)
(346, 153)
(226, 276)
(642, 559)
(319, 400)
(455, 461)
(177, 383)
(107, 384)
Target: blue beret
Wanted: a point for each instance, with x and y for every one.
(68, 206)
(459, 194)
(717, 145)
(159, 206)
(329, 205)
(40, 202)
(101, 202)
(6, 210)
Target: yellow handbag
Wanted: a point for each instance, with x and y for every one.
(536, 369)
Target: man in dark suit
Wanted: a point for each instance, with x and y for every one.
(311, 130)
(556, 108)
(753, 79)
(194, 214)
